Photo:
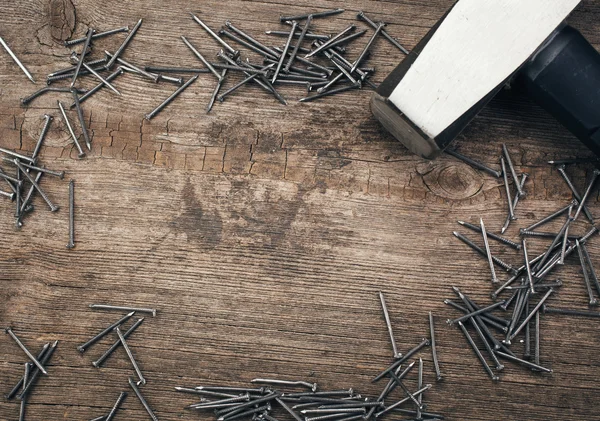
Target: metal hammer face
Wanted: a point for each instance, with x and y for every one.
(472, 52)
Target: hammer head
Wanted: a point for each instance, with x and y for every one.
(466, 58)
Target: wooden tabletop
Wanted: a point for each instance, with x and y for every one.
(262, 233)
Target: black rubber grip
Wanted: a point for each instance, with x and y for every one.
(564, 78)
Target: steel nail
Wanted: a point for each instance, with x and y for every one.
(478, 249)
(512, 170)
(592, 300)
(220, 40)
(132, 67)
(45, 127)
(115, 57)
(24, 399)
(477, 352)
(527, 350)
(71, 243)
(116, 406)
(473, 163)
(249, 45)
(530, 315)
(52, 206)
(488, 251)
(402, 401)
(218, 86)
(251, 40)
(475, 313)
(25, 350)
(361, 15)
(595, 175)
(174, 95)
(397, 363)
(289, 410)
(496, 237)
(88, 40)
(114, 346)
(285, 51)
(104, 332)
(548, 218)
(515, 202)
(326, 45)
(537, 339)
(201, 58)
(137, 392)
(311, 386)
(124, 308)
(420, 386)
(523, 362)
(101, 79)
(72, 42)
(365, 51)
(294, 53)
(86, 136)
(511, 211)
(142, 380)
(436, 363)
(70, 129)
(527, 265)
(16, 60)
(36, 372)
(22, 381)
(388, 323)
(576, 195)
(330, 92)
(314, 15)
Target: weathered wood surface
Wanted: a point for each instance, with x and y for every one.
(262, 232)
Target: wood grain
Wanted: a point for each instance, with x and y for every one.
(262, 233)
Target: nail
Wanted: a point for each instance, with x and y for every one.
(116, 406)
(587, 258)
(488, 252)
(24, 399)
(128, 66)
(496, 237)
(303, 34)
(333, 411)
(86, 45)
(22, 382)
(364, 52)
(227, 412)
(537, 339)
(228, 47)
(17, 155)
(402, 401)
(174, 95)
(587, 192)
(14, 180)
(548, 218)
(86, 136)
(527, 266)
(249, 45)
(70, 70)
(237, 86)
(201, 58)
(29, 193)
(216, 404)
(314, 15)
(562, 231)
(101, 79)
(327, 393)
(592, 300)
(122, 308)
(330, 92)
(475, 313)
(523, 362)
(103, 333)
(16, 60)
(285, 51)
(326, 45)
(142, 400)
(420, 386)
(232, 389)
(527, 350)
(530, 315)
(36, 371)
(556, 284)
(53, 207)
(115, 57)
(511, 212)
(311, 386)
(251, 40)
(436, 363)
(68, 124)
(474, 163)
(540, 234)
(289, 410)
(388, 323)
(141, 378)
(477, 352)
(45, 127)
(71, 242)
(11, 196)
(569, 312)
(576, 195)
(515, 202)
(99, 86)
(25, 350)
(72, 42)
(478, 249)
(512, 170)
(38, 93)
(114, 346)
(242, 414)
(565, 240)
(361, 15)
(218, 86)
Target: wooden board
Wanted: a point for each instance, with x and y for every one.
(262, 233)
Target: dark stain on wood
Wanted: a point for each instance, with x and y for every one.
(62, 19)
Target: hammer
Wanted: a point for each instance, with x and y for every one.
(477, 48)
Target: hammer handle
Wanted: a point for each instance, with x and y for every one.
(564, 78)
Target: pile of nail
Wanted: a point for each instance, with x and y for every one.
(291, 64)
(528, 285)
(33, 369)
(26, 180)
(232, 402)
(120, 342)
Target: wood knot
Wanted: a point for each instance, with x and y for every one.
(453, 181)
(62, 19)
